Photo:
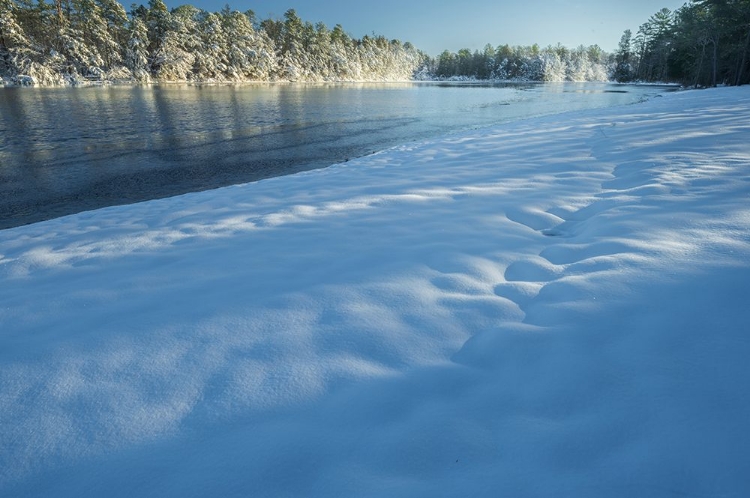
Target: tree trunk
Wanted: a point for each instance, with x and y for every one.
(700, 66)
(639, 70)
(715, 41)
(744, 59)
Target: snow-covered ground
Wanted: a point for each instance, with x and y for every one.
(553, 307)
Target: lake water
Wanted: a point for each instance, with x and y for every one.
(66, 150)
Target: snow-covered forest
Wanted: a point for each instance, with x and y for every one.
(706, 42)
(525, 63)
(74, 41)
(77, 41)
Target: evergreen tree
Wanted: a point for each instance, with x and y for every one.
(447, 65)
(553, 67)
(116, 20)
(343, 57)
(705, 42)
(623, 58)
(16, 54)
(174, 56)
(249, 54)
(211, 60)
(136, 57)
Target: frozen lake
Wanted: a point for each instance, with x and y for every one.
(66, 150)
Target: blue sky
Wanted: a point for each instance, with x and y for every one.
(438, 25)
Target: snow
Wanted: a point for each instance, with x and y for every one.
(551, 307)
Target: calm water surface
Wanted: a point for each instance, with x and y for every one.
(66, 150)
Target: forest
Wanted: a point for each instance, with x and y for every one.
(74, 41)
(703, 43)
(71, 42)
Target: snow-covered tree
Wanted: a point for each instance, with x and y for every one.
(88, 23)
(174, 54)
(553, 67)
(11, 32)
(343, 58)
(318, 45)
(598, 68)
(15, 48)
(135, 55)
(244, 48)
(116, 20)
(292, 57)
(211, 60)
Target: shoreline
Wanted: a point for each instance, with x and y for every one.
(5, 83)
(60, 202)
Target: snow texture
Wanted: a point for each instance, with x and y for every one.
(552, 307)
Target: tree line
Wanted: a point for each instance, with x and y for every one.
(525, 63)
(72, 41)
(703, 43)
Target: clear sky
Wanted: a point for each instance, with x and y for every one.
(434, 26)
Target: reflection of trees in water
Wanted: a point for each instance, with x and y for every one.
(67, 150)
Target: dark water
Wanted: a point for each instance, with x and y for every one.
(66, 150)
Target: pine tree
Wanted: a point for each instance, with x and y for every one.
(175, 55)
(291, 66)
(247, 51)
(136, 57)
(16, 53)
(211, 60)
(553, 67)
(343, 57)
(115, 18)
(623, 69)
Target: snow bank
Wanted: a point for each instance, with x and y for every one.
(554, 307)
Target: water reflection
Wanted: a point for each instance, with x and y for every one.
(66, 150)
